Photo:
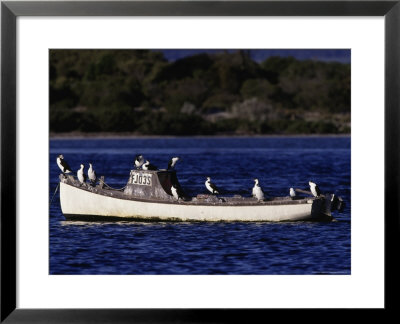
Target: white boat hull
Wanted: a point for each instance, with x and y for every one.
(77, 203)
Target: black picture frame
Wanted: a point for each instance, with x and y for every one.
(10, 10)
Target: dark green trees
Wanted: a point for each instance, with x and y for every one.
(139, 91)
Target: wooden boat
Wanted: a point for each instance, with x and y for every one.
(147, 197)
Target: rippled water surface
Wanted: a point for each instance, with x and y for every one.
(208, 248)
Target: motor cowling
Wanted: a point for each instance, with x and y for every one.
(337, 203)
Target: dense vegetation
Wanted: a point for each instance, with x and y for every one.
(140, 92)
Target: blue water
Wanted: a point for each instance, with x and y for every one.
(208, 248)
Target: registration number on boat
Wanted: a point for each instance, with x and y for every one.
(143, 179)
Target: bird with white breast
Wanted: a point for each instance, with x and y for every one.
(63, 165)
(92, 174)
(211, 187)
(314, 189)
(257, 191)
(172, 162)
(175, 192)
(148, 166)
(81, 175)
(139, 160)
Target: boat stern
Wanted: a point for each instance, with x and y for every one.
(323, 207)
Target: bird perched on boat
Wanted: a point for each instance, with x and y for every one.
(63, 165)
(292, 193)
(139, 160)
(176, 193)
(314, 189)
(81, 174)
(257, 191)
(172, 162)
(92, 174)
(211, 187)
(148, 166)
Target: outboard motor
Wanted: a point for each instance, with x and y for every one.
(337, 203)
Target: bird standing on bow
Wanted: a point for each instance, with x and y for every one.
(63, 165)
(81, 175)
(92, 174)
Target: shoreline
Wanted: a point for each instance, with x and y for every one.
(77, 135)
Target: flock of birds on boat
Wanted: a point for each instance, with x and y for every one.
(141, 163)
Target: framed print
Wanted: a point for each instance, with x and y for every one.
(247, 101)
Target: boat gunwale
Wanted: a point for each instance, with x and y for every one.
(247, 203)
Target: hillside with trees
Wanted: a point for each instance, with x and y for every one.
(140, 92)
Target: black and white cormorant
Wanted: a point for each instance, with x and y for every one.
(176, 193)
(139, 160)
(172, 162)
(292, 193)
(63, 165)
(314, 189)
(148, 166)
(211, 187)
